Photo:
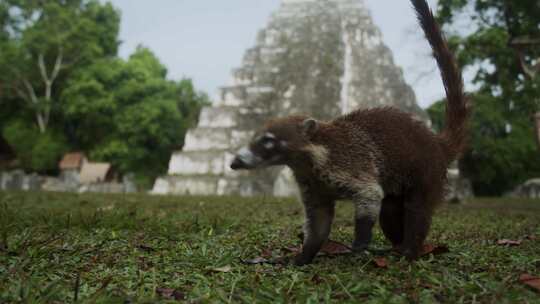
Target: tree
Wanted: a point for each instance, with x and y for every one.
(62, 73)
(43, 42)
(35, 151)
(128, 113)
(502, 49)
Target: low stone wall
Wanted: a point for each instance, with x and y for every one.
(19, 181)
(458, 189)
(530, 189)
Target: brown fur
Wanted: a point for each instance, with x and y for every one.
(389, 164)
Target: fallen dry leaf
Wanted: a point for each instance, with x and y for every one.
(222, 269)
(335, 248)
(169, 293)
(266, 253)
(506, 242)
(330, 248)
(435, 250)
(427, 285)
(316, 279)
(267, 256)
(380, 262)
(292, 249)
(530, 281)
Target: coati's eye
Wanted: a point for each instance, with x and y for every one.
(269, 141)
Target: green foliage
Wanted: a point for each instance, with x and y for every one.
(60, 70)
(36, 152)
(128, 113)
(45, 42)
(82, 29)
(21, 138)
(499, 158)
(436, 113)
(129, 248)
(47, 151)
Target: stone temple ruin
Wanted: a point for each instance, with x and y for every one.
(315, 57)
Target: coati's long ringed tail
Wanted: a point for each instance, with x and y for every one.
(454, 134)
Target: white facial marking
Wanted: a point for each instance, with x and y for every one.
(248, 157)
(269, 145)
(269, 135)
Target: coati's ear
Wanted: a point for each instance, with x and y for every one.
(310, 126)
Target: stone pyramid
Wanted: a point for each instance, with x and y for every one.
(316, 57)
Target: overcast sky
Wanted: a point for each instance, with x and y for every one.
(205, 39)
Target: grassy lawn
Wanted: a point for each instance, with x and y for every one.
(137, 248)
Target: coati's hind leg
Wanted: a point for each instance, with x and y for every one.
(367, 201)
(319, 214)
(417, 221)
(392, 218)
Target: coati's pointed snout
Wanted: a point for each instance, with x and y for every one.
(237, 164)
(245, 159)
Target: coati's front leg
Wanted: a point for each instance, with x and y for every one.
(367, 203)
(319, 216)
(391, 219)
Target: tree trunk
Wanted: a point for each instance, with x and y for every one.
(31, 97)
(44, 113)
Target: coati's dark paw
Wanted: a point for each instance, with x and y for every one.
(411, 254)
(301, 260)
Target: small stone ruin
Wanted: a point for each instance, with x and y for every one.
(529, 189)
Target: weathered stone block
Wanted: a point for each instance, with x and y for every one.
(529, 189)
(217, 117)
(459, 188)
(129, 184)
(200, 163)
(201, 139)
(285, 184)
(161, 187)
(54, 184)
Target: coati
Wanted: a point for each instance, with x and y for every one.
(389, 164)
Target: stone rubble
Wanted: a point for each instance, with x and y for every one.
(529, 189)
(18, 180)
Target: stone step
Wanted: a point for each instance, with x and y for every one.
(210, 138)
(218, 117)
(209, 162)
(205, 185)
(233, 96)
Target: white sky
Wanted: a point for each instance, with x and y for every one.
(205, 39)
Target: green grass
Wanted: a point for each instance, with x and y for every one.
(118, 249)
